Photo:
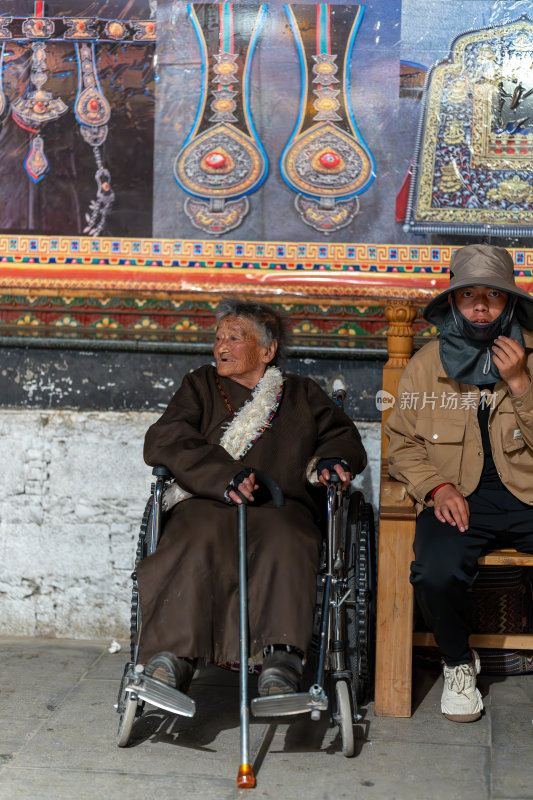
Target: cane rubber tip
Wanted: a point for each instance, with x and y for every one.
(245, 777)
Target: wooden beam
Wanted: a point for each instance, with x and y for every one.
(503, 641)
(509, 557)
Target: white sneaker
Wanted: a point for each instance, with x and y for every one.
(461, 700)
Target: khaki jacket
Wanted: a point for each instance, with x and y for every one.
(435, 436)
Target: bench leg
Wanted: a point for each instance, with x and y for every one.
(394, 634)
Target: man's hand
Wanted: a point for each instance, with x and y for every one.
(246, 487)
(343, 474)
(451, 506)
(510, 358)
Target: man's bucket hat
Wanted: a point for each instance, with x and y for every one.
(482, 265)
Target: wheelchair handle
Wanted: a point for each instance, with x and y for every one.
(161, 471)
(339, 396)
(275, 491)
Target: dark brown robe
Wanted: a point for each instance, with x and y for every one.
(189, 586)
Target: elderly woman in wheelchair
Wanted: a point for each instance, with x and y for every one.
(225, 422)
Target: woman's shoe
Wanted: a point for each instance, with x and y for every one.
(168, 668)
(281, 674)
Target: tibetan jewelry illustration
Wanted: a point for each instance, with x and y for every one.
(38, 107)
(326, 160)
(222, 160)
(93, 113)
(473, 162)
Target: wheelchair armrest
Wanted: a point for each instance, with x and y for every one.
(161, 472)
(394, 501)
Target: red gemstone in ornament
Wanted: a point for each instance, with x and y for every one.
(329, 160)
(39, 106)
(150, 27)
(215, 160)
(81, 26)
(93, 104)
(105, 186)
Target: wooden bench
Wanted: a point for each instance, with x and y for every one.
(394, 632)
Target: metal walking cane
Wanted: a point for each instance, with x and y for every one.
(245, 775)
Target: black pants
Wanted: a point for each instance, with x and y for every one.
(445, 562)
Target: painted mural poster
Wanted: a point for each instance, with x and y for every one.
(266, 122)
(77, 118)
(317, 150)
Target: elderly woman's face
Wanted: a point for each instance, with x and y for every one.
(238, 353)
(480, 304)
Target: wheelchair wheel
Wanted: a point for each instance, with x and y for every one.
(343, 717)
(360, 613)
(128, 709)
(142, 552)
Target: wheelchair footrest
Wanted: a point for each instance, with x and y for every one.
(284, 705)
(162, 696)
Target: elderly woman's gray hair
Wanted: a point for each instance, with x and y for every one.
(269, 323)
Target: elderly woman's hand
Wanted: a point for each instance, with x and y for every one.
(342, 471)
(247, 486)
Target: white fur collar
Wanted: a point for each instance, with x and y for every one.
(244, 429)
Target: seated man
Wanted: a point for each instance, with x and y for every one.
(461, 439)
(223, 423)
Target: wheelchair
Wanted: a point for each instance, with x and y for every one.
(343, 641)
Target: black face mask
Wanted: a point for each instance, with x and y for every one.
(483, 334)
(465, 347)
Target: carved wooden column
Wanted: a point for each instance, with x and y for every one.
(394, 628)
(400, 314)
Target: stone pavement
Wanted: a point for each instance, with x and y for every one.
(58, 724)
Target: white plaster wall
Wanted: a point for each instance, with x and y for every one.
(74, 487)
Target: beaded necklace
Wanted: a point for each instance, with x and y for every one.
(225, 397)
